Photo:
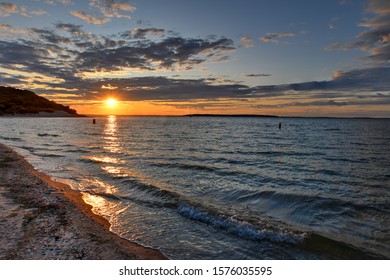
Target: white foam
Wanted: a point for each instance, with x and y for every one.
(242, 229)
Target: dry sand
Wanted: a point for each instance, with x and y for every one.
(43, 219)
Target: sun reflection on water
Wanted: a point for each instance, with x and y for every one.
(104, 159)
(100, 206)
(111, 142)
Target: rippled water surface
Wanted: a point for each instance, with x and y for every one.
(225, 188)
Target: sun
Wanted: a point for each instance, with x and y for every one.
(111, 102)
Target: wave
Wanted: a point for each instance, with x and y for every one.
(331, 248)
(30, 149)
(346, 160)
(103, 194)
(47, 155)
(280, 153)
(186, 166)
(204, 168)
(208, 215)
(315, 201)
(101, 160)
(328, 172)
(79, 151)
(240, 228)
(16, 139)
(47, 135)
(152, 196)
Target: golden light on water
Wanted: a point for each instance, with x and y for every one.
(111, 142)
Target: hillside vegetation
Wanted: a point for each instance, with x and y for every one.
(15, 101)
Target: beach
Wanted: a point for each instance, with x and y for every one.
(47, 220)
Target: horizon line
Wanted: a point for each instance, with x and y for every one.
(237, 115)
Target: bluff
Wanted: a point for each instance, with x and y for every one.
(16, 102)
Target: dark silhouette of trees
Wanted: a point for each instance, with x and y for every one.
(17, 101)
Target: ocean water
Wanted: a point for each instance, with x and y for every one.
(224, 188)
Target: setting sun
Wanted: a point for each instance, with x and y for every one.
(111, 102)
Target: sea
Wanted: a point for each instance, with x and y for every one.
(224, 187)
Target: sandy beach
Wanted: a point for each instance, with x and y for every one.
(43, 219)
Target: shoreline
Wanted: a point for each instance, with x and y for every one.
(43, 219)
(56, 114)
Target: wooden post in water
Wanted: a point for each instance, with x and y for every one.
(280, 125)
(94, 121)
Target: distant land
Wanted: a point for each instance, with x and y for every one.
(273, 116)
(17, 102)
(228, 115)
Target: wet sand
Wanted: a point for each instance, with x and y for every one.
(43, 219)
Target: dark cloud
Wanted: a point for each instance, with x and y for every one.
(385, 100)
(50, 36)
(65, 53)
(257, 75)
(166, 54)
(16, 53)
(162, 88)
(71, 28)
(358, 80)
(350, 86)
(68, 49)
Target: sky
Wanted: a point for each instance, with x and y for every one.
(173, 57)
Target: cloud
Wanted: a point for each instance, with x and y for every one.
(10, 31)
(70, 53)
(109, 87)
(358, 87)
(112, 8)
(324, 103)
(142, 33)
(7, 9)
(273, 37)
(154, 88)
(51, 2)
(150, 55)
(50, 36)
(376, 39)
(246, 42)
(89, 18)
(62, 60)
(72, 28)
(257, 75)
(38, 13)
(332, 23)
(364, 46)
(109, 9)
(5, 26)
